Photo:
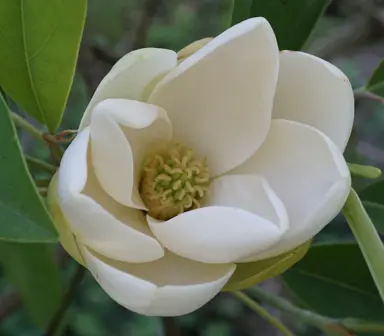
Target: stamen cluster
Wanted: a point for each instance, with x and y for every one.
(173, 181)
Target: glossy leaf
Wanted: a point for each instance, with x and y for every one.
(291, 20)
(249, 274)
(32, 270)
(334, 280)
(376, 82)
(23, 217)
(39, 42)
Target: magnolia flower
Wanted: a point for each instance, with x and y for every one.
(181, 171)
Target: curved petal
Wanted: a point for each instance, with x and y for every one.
(131, 76)
(170, 286)
(224, 91)
(308, 173)
(315, 92)
(97, 220)
(192, 48)
(122, 131)
(243, 217)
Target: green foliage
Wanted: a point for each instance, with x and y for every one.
(39, 42)
(376, 82)
(241, 10)
(23, 217)
(373, 201)
(334, 280)
(292, 20)
(249, 274)
(32, 270)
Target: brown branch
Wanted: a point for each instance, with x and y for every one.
(8, 304)
(149, 12)
(368, 95)
(170, 327)
(59, 315)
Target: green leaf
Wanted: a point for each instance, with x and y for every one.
(373, 193)
(31, 268)
(372, 198)
(249, 274)
(23, 217)
(241, 10)
(334, 280)
(376, 213)
(39, 43)
(376, 82)
(291, 20)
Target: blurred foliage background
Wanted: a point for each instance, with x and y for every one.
(350, 35)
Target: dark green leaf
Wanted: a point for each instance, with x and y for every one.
(373, 192)
(292, 20)
(376, 213)
(335, 281)
(23, 217)
(32, 270)
(39, 42)
(376, 83)
(372, 198)
(241, 10)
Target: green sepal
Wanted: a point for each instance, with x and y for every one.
(252, 273)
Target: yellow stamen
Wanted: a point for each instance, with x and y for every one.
(173, 181)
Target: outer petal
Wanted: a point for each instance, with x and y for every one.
(122, 131)
(170, 286)
(243, 217)
(315, 92)
(130, 77)
(308, 173)
(96, 219)
(224, 91)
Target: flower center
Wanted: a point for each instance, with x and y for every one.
(173, 181)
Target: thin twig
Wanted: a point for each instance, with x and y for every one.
(149, 12)
(32, 161)
(170, 327)
(27, 126)
(361, 94)
(8, 304)
(342, 327)
(58, 317)
(260, 310)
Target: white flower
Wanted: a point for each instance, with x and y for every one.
(179, 171)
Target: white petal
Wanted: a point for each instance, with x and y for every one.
(308, 173)
(243, 217)
(170, 286)
(315, 92)
(131, 77)
(122, 132)
(96, 219)
(224, 91)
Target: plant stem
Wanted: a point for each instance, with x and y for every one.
(362, 94)
(257, 308)
(58, 317)
(28, 127)
(40, 164)
(327, 324)
(364, 171)
(367, 237)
